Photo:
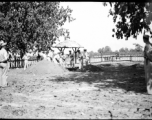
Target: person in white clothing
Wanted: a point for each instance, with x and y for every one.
(50, 54)
(26, 58)
(3, 64)
(85, 57)
(56, 58)
(80, 59)
(62, 59)
(44, 55)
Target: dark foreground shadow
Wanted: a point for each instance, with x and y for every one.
(129, 78)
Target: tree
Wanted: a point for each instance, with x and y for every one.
(107, 49)
(116, 51)
(138, 47)
(101, 51)
(24, 25)
(91, 53)
(133, 18)
(122, 50)
(131, 50)
(126, 50)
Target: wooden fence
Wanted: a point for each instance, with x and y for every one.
(114, 58)
(19, 63)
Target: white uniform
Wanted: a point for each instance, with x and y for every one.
(80, 60)
(86, 58)
(26, 58)
(50, 55)
(56, 59)
(43, 55)
(3, 67)
(3, 54)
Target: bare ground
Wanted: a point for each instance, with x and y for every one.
(117, 91)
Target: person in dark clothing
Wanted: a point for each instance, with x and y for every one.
(71, 56)
(148, 63)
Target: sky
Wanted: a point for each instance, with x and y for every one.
(93, 28)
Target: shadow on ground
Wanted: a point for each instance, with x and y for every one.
(129, 78)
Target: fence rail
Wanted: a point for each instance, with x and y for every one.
(19, 63)
(114, 58)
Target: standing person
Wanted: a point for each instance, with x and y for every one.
(39, 57)
(9, 58)
(80, 59)
(71, 56)
(25, 58)
(44, 55)
(50, 54)
(13, 60)
(18, 59)
(86, 57)
(62, 59)
(3, 65)
(148, 63)
(29, 55)
(56, 58)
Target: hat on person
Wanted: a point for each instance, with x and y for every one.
(78, 50)
(146, 37)
(2, 43)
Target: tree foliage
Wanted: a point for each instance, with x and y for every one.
(105, 49)
(133, 18)
(25, 25)
(122, 50)
(138, 47)
(101, 50)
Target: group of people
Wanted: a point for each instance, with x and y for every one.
(60, 58)
(66, 59)
(81, 57)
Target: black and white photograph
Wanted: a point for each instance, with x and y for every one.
(75, 60)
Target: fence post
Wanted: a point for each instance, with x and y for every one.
(130, 58)
(15, 61)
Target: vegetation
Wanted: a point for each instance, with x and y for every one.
(122, 51)
(25, 25)
(131, 18)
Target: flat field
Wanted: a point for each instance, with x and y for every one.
(104, 91)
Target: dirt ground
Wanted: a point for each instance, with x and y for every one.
(117, 91)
